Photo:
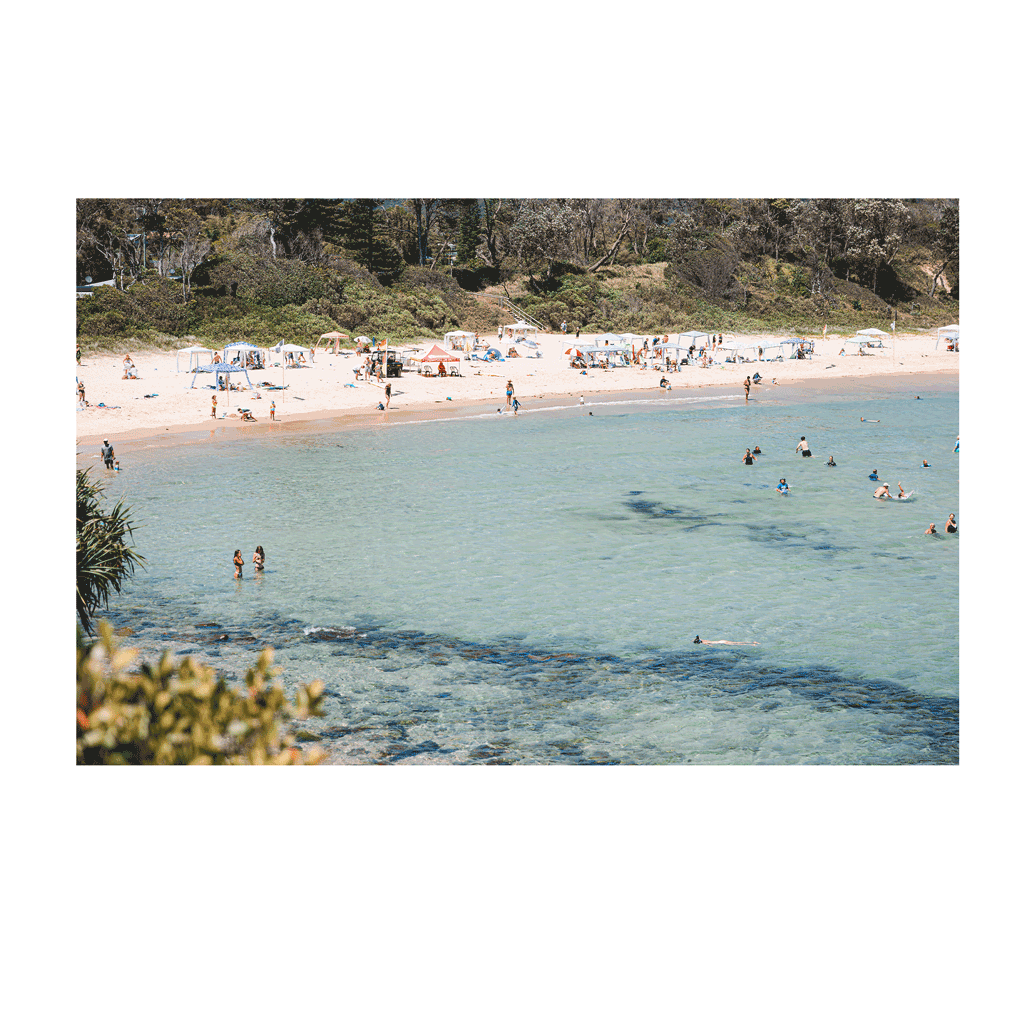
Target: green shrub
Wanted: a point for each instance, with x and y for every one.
(183, 714)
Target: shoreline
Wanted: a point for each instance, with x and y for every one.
(335, 403)
(350, 420)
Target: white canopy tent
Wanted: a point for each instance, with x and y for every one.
(295, 350)
(873, 332)
(243, 351)
(951, 332)
(748, 352)
(194, 357)
(460, 340)
(608, 339)
(693, 338)
(521, 328)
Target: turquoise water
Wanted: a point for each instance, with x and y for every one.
(500, 589)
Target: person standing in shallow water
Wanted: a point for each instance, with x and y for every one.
(258, 559)
(237, 562)
(803, 447)
(746, 386)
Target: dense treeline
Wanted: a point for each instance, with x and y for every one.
(272, 268)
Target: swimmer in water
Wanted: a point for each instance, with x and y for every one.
(831, 461)
(874, 475)
(756, 451)
(951, 524)
(720, 642)
(930, 530)
(956, 449)
(872, 421)
(748, 458)
(882, 492)
(783, 486)
(925, 464)
(902, 495)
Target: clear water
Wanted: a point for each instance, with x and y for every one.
(500, 589)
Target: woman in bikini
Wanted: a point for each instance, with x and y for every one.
(237, 561)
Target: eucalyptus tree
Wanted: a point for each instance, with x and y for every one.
(946, 250)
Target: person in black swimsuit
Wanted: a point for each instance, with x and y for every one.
(748, 459)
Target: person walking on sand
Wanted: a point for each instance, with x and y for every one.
(803, 447)
(82, 392)
(746, 386)
(510, 391)
(272, 410)
(107, 452)
(389, 393)
(214, 406)
(237, 562)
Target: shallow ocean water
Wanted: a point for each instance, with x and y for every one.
(526, 590)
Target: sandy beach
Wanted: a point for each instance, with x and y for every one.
(161, 401)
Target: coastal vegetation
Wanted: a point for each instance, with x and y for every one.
(181, 713)
(103, 558)
(262, 270)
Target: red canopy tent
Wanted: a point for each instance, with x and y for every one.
(437, 355)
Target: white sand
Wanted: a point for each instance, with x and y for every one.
(327, 388)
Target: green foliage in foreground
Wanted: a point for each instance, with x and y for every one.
(183, 714)
(103, 560)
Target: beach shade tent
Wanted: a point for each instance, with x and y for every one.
(285, 348)
(772, 350)
(219, 369)
(951, 332)
(632, 340)
(193, 353)
(792, 345)
(694, 338)
(873, 332)
(520, 328)
(331, 339)
(243, 350)
(743, 352)
(460, 340)
(437, 355)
